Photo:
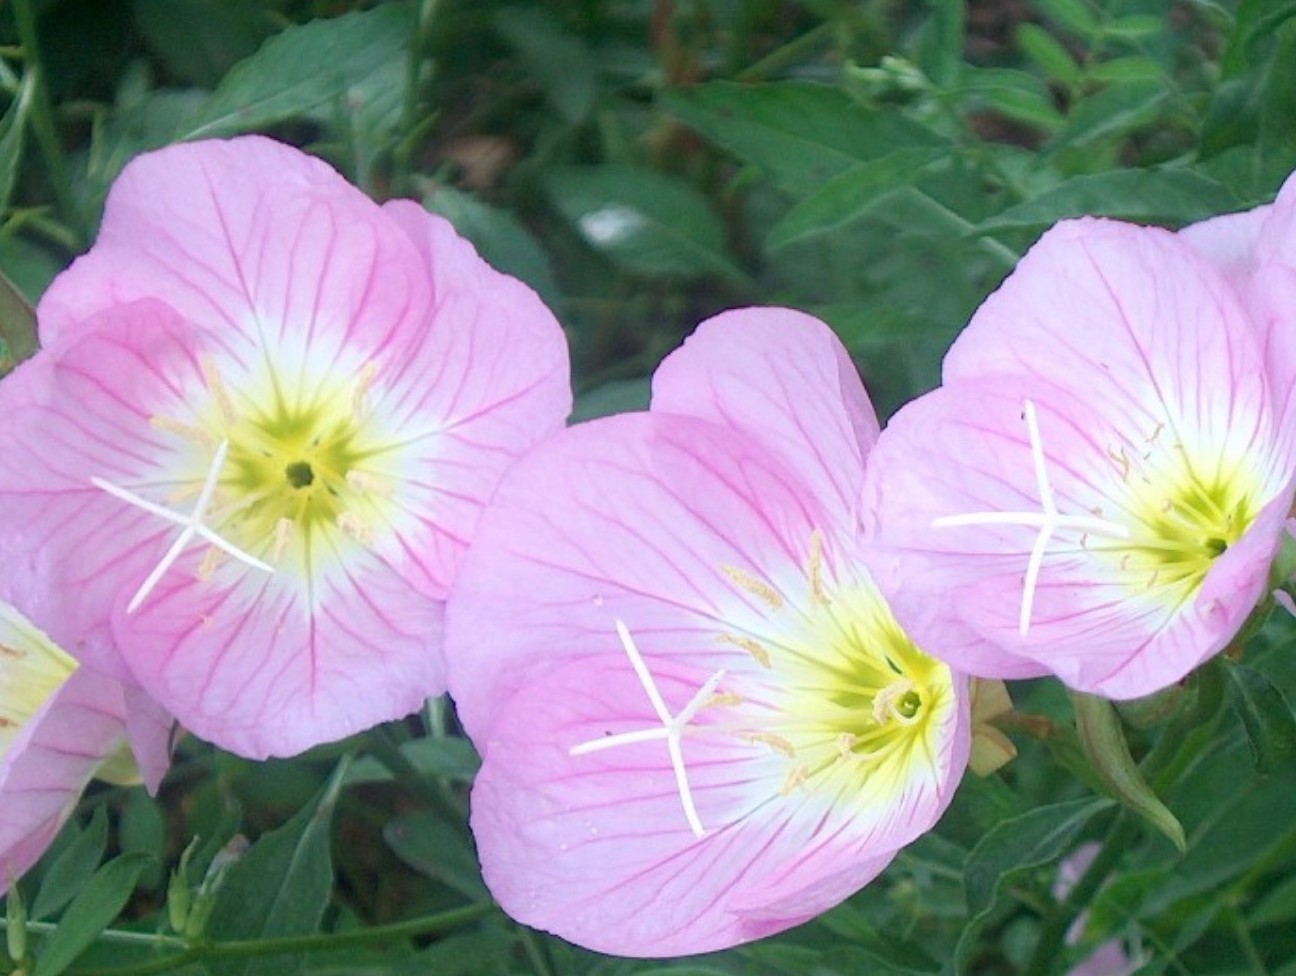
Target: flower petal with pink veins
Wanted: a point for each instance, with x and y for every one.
(699, 724)
(1096, 489)
(784, 378)
(49, 754)
(258, 438)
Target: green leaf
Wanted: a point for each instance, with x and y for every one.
(1130, 69)
(618, 396)
(1015, 94)
(1014, 846)
(499, 238)
(800, 134)
(1175, 196)
(1135, 27)
(554, 57)
(17, 324)
(940, 49)
(303, 68)
(200, 40)
(1074, 15)
(12, 128)
(280, 887)
(1112, 113)
(1048, 52)
(1104, 743)
(91, 911)
(1266, 716)
(852, 195)
(74, 866)
(643, 220)
(436, 850)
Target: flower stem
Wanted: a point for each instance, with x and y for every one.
(288, 945)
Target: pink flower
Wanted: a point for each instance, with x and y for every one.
(699, 722)
(1099, 488)
(60, 726)
(245, 466)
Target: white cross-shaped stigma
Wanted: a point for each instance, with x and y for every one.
(671, 728)
(1048, 520)
(191, 525)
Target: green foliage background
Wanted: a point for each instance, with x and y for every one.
(644, 164)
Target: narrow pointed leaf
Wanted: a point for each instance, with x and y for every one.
(1104, 744)
(91, 911)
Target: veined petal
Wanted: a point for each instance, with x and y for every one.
(692, 708)
(1128, 317)
(59, 724)
(491, 380)
(1014, 522)
(784, 378)
(251, 240)
(331, 634)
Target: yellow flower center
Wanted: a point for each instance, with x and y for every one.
(32, 669)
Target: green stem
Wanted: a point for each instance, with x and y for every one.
(291, 945)
(1243, 936)
(111, 936)
(1059, 921)
(42, 120)
(789, 54)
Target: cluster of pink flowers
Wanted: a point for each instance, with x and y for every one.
(290, 462)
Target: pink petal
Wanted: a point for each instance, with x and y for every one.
(49, 764)
(490, 380)
(258, 663)
(783, 378)
(1229, 242)
(634, 519)
(1101, 623)
(251, 239)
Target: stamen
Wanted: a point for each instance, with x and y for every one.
(360, 396)
(814, 569)
(846, 743)
(796, 776)
(223, 402)
(724, 699)
(754, 648)
(755, 586)
(207, 567)
(368, 484)
(282, 533)
(192, 525)
(884, 703)
(355, 528)
(1047, 521)
(774, 741)
(187, 431)
(672, 726)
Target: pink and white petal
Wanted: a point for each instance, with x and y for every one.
(959, 589)
(249, 665)
(151, 731)
(1229, 242)
(50, 762)
(1128, 317)
(783, 378)
(595, 847)
(486, 379)
(253, 240)
(634, 518)
(79, 409)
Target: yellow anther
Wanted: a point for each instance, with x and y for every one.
(223, 402)
(360, 396)
(752, 647)
(207, 565)
(187, 431)
(12, 652)
(355, 528)
(282, 534)
(774, 741)
(796, 777)
(754, 585)
(368, 484)
(724, 699)
(846, 743)
(814, 569)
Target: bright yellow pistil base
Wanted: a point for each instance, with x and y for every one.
(860, 711)
(32, 669)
